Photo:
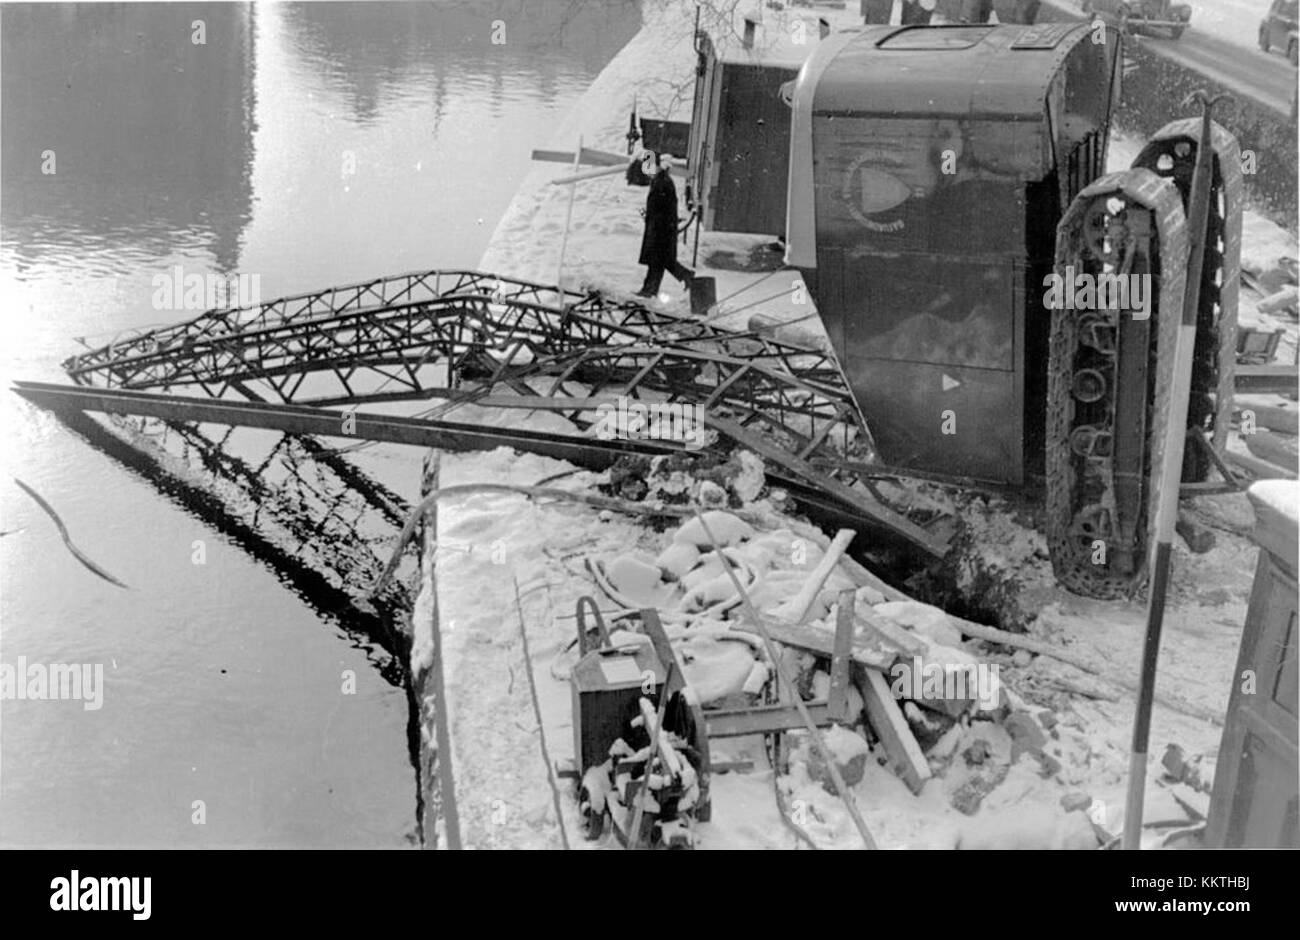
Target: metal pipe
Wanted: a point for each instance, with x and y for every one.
(1171, 471)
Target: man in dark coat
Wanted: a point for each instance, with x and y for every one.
(659, 243)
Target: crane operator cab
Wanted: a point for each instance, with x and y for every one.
(929, 168)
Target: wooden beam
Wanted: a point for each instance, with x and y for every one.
(678, 170)
(1269, 446)
(1260, 469)
(763, 719)
(837, 700)
(821, 642)
(1270, 378)
(894, 635)
(598, 173)
(587, 156)
(800, 606)
(896, 736)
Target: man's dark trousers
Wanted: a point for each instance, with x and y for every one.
(655, 274)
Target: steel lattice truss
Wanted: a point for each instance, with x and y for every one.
(325, 530)
(425, 335)
(316, 515)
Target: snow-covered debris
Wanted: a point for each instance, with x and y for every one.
(1028, 827)
(1282, 496)
(848, 750)
(925, 620)
(676, 560)
(728, 529)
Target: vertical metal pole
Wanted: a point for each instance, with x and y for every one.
(1170, 473)
(568, 218)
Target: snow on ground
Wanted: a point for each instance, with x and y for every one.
(503, 793)
(1015, 797)
(984, 794)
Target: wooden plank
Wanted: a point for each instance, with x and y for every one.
(837, 700)
(1194, 802)
(1271, 447)
(763, 719)
(887, 719)
(800, 606)
(1285, 299)
(894, 635)
(1275, 532)
(584, 175)
(1260, 469)
(589, 157)
(684, 172)
(1270, 378)
(812, 639)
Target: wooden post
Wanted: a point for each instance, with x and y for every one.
(568, 218)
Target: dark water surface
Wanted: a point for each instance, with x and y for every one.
(306, 144)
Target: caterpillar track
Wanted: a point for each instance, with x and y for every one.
(1109, 374)
(1171, 154)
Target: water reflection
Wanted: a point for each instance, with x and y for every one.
(151, 133)
(227, 157)
(506, 46)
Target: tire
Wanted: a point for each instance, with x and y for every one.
(1263, 38)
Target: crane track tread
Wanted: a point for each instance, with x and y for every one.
(1216, 351)
(1075, 568)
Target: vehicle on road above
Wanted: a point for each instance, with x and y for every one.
(1278, 29)
(1141, 16)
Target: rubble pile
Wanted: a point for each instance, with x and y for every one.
(959, 733)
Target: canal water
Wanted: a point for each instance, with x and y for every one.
(302, 146)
